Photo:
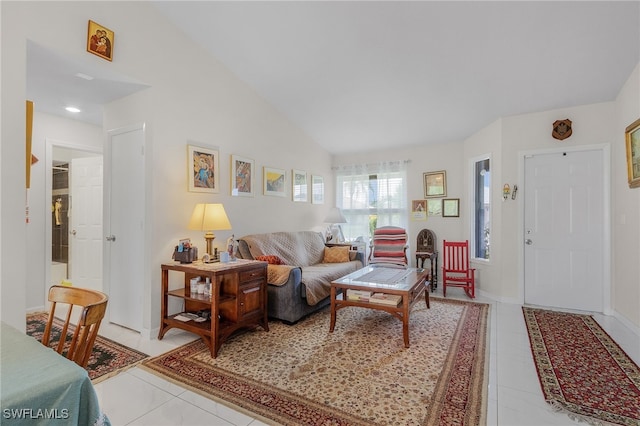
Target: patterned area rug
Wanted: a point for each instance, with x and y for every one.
(108, 358)
(582, 370)
(361, 374)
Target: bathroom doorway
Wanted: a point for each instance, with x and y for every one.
(62, 229)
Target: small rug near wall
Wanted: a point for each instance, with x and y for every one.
(107, 358)
(582, 370)
(361, 374)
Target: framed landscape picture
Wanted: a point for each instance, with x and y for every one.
(274, 182)
(300, 187)
(242, 176)
(317, 189)
(632, 136)
(435, 184)
(203, 170)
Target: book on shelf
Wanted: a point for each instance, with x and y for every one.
(363, 293)
(358, 298)
(386, 299)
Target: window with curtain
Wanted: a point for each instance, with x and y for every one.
(370, 196)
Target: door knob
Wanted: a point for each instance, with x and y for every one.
(528, 242)
(74, 232)
(111, 238)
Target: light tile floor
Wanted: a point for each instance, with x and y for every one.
(136, 397)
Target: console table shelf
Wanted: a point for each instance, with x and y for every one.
(238, 299)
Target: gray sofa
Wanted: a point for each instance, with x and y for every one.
(302, 284)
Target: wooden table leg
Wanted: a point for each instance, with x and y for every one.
(333, 309)
(427, 284)
(405, 319)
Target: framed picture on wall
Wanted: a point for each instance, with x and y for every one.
(300, 187)
(274, 182)
(434, 207)
(100, 41)
(317, 189)
(435, 184)
(451, 207)
(242, 176)
(632, 136)
(202, 169)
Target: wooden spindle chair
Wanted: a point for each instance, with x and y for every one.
(94, 305)
(455, 269)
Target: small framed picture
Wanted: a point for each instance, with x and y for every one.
(451, 207)
(100, 41)
(242, 176)
(435, 184)
(274, 182)
(434, 207)
(300, 187)
(419, 209)
(317, 189)
(632, 136)
(202, 169)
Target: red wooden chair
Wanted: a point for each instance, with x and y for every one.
(455, 268)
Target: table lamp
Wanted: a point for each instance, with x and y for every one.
(209, 218)
(335, 216)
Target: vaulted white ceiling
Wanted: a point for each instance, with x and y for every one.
(372, 75)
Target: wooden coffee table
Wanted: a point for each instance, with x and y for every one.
(409, 283)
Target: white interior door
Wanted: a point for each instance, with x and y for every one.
(564, 209)
(125, 226)
(85, 228)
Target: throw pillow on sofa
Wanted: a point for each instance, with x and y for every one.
(338, 254)
(270, 259)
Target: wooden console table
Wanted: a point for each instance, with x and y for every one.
(238, 299)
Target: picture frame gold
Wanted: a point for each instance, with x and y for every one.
(451, 207)
(274, 182)
(435, 184)
(243, 172)
(299, 186)
(100, 40)
(632, 139)
(203, 173)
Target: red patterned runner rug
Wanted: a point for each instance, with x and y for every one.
(108, 358)
(582, 370)
(361, 374)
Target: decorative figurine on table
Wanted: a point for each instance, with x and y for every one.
(231, 248)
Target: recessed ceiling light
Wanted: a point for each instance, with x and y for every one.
(84, 76)
(72, 109)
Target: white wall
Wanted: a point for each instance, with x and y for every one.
(626, 210)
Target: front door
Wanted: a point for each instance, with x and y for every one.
(564, 209)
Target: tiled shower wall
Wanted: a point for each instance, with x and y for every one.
(60, 231)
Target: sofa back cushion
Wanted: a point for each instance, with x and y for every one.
(299, 248)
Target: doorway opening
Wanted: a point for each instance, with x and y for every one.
(59, 196)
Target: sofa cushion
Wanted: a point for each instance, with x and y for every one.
(317, 278)
(336, 254)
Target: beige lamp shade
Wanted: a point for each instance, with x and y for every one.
(209, 217)
(335, 216)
